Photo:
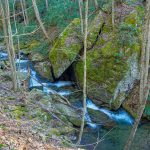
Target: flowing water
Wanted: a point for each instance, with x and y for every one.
(112, 140)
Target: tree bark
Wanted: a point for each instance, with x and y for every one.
(39, 19)
(145, 76)
(46, 1)
(96, 4)
(18, 43)
(24, 12)
(85, 73)
(9, 40)
(113, 13)
(81, 15)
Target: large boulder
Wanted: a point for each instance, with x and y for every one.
(66, 48)
(55, 104)
(70, 43)
(111, 67)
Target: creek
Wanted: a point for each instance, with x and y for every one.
(114, 139)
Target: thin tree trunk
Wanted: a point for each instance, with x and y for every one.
(85, 73)
(23, 12)
(46, 1)
(12, 50)
(9, 40)
(81, 16)
(145, 76)
(113, 13)
(39, 19)
(6, 33)
(18, 43)
(96, 4)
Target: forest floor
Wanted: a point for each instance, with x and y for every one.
(15, 134)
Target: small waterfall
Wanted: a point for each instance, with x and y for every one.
(19, 61)
(120, 116)
(60, 84)
(64, 93)
(47, 90)
(89, 121)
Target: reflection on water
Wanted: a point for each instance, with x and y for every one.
(116, 139)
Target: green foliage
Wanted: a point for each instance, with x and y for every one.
(60, 13)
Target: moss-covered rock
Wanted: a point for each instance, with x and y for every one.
(28, 47)
(36, 94)
(44, 69)
(70, 43)
(104, 70)
(66, 112)
(111, 68)
(56, 105)
(66, 48)
(95, 29)
(36, 57)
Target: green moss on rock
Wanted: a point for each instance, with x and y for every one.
(131, 18)
(69, 113)
(44, 69)
(104, 68)
(70, 43)
(94, 29)
(107, 65)
(66, 48)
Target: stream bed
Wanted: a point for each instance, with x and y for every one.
(113, 139)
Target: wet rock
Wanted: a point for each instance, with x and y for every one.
(44, 69)
(100, 118)
(72, 115)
